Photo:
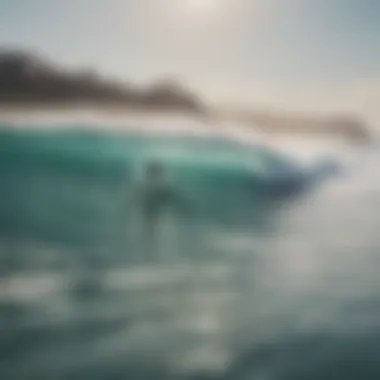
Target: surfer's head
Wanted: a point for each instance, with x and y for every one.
(154, 169)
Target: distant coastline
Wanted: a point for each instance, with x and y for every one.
(29, 83)
(27, 80)
(340, 125)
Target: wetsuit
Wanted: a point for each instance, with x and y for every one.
(155, 197)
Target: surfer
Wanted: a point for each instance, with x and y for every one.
(155, 194)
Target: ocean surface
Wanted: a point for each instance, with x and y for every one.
(236, 287)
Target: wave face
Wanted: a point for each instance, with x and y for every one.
(73, 185)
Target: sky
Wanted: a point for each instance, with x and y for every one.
(305, 55)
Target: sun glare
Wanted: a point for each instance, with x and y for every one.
(200, 6)
(184, 13)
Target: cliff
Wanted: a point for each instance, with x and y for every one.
(26, 78)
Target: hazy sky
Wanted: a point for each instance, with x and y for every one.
(293, 54)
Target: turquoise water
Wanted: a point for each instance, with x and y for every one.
(72, 186)
(239, 287)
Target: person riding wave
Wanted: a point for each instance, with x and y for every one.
(155, 195)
